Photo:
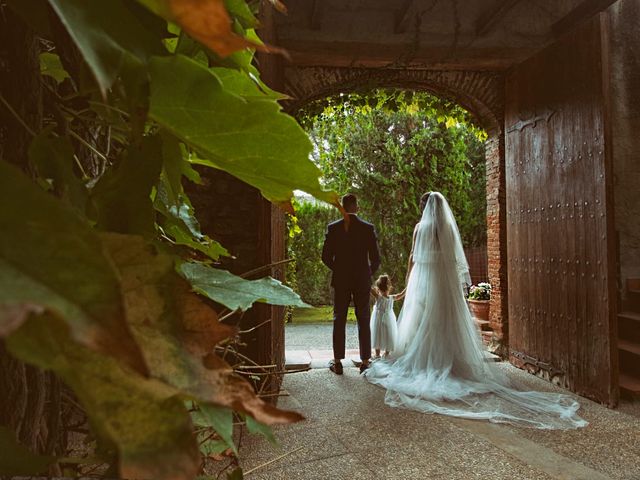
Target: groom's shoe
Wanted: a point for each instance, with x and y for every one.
(335, 367)
(364, 366)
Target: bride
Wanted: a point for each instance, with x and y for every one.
(439, 364)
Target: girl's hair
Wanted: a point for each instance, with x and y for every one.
(383, 283)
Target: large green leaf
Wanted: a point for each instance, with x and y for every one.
(139, 420)
(220, 419)
(248, 137)
(50, 259)
(235, 292)
(16, 459)
(123, 195)
(178, 331)
(258, 428)
(109, 35)
(53, 158)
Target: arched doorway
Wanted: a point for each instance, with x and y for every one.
(480, 93)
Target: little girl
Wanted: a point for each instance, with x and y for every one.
(383, 320)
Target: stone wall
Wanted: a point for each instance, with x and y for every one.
(625, 127)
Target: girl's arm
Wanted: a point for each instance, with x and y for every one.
(400, 296)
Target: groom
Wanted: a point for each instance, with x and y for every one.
(351, 252)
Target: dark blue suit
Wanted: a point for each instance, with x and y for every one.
(353, 257)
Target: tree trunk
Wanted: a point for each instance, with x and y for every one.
(30, 400)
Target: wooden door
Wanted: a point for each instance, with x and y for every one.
(560, 238)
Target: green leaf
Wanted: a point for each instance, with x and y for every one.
(248, 138)
(51, 66)
(235, 475)
(245, 85)
(260, 429)
(50, 259)
(17, 459)
(221, 420)
(123, 196)
(178, 331)
(110, 37)
(139, 420)
(180, 221)
(235, 292)
(53, 158)
(212, 447)
(241, 11)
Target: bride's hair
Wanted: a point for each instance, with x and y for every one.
(423, 200)
(383, 283)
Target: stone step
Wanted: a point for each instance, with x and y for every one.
(632, 300)
(629, 326)
(482, 323)
(629, 385)
(629, 346)
(308, 359)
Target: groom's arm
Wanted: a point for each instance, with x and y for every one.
(374, 252)
(328, 250)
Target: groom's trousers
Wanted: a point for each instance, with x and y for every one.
(341, 300)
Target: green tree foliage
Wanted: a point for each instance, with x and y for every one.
(389, 147)
(306, 237)
(101, 257)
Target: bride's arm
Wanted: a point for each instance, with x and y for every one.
(413, 245)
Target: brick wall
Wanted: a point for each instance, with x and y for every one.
(497, 241)
(478, 266)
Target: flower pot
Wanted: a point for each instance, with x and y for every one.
(480, 309)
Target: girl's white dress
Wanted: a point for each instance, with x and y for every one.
(384, 330)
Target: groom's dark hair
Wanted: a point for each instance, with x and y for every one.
(423, 200)
(350, 202)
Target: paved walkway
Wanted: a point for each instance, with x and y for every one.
(351, 434)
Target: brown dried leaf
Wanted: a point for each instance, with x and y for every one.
(208, 22)
(278, 5)
(178, 331)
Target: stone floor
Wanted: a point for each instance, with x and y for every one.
(349, 433)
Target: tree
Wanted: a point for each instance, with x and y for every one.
(389, 147)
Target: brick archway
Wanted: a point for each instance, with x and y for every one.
(481, 93)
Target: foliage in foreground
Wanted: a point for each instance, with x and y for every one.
(389, 147)
(101, 255)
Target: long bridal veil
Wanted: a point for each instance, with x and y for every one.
(439, 365)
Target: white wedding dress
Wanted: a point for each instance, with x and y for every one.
(439, 364)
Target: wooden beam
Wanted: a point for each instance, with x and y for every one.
(402, 16)
(583, 11)
(316, 14)
(305, 53)
(492, 17)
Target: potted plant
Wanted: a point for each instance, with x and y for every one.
(479, 300)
